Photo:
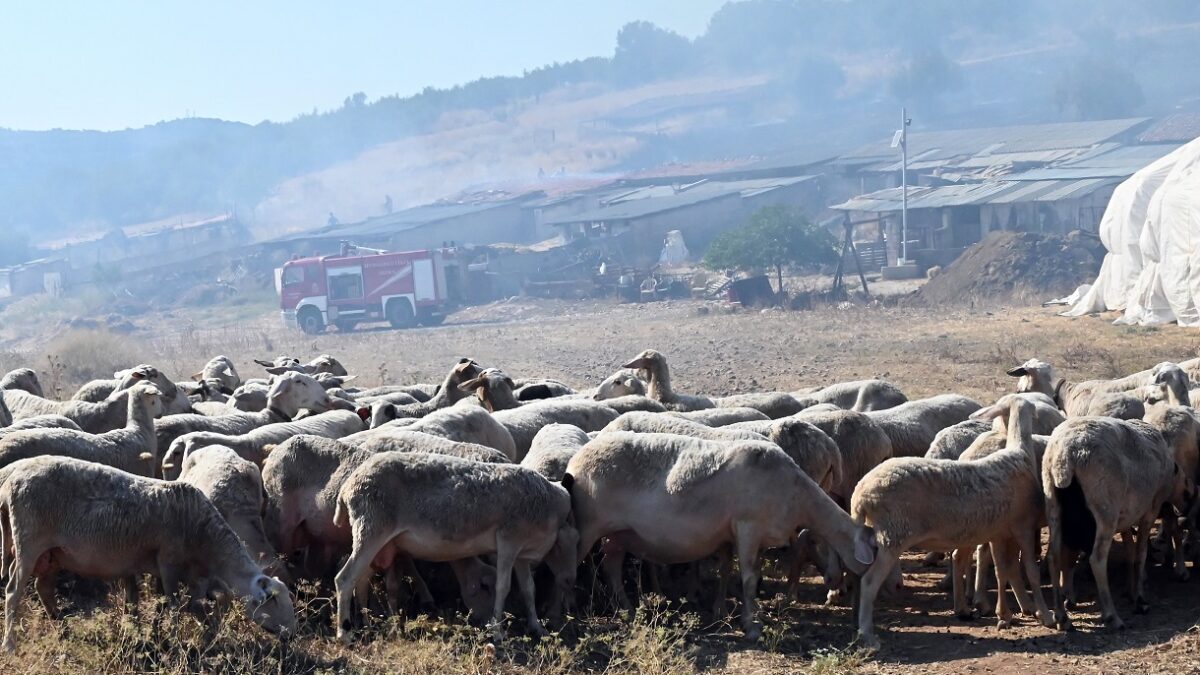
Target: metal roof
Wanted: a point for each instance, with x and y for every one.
(1180, 127)
(973, 194)
(652, 199)
(400, 221)
(943, 145)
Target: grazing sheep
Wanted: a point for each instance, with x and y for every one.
(174, 402)
(221, 370)
(949, 443)
(132, 448)
(634, 402)
(1038, 376)
(861, 442)
(467, 425)
(552, 449)
(723, 417)
(251, 445)
(443, 509)
(655, 423)
(814, 451)
(39, 422)
(672, 499)
(234, 486)
(912, 426)
(96, 521)
(773, 404)
(523, 423)
(541, 388)
(1101, 476)
(420, 392)
(858, 395)
(909, 502)
(322, 364)
(6, 418)
(404, 440)
(1180, 427)
(288, 395)
(658, 383)
(447, 394)
(1079, 396)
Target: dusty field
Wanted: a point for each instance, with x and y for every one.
(926, 351)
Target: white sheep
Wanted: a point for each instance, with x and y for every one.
(251, 445)
(221, 370)
(552, 449)
(234, 486)
(447, 394)
(909, 502)
(858, 395)
(721, 417)
(76, 516)
(174, 401)
(669, 499)
(1101, 476)
(912, 426)
(442, 509)
(132, 448)
(658, 383)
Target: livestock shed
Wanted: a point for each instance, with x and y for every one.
(631, 224)
(30, 278)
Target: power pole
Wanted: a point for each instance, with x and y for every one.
(904, 122)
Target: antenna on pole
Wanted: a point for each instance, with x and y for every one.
(902, 137)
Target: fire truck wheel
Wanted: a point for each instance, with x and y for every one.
(400, 314)
(310, 321)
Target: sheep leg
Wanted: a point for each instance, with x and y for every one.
(747, 542)
(1057, 559)
(961, 560)
(1173, 534)
(410, 570)
(1099, 563)
(724, 569)
(1028, 543)
(22, 569)
(1140, 606)
(44, 584)
(983, 567)
(1002, 554)
(392, 585)
(868, 589)
(506, 555)
(357, 566)
(611, 564)
(528, 594)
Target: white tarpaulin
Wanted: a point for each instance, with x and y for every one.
(674, 252)
(1151, 229)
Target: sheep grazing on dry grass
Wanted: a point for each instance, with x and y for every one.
(658, 383)
(1079, 397)
(220, 369)
(95, 521)
(721, 417)
(322, 364)
(671, 499)
(912, 502)
(22, 379)
(624, 382)
(951, 442)
(174, 401)
(234, 486)
(858, 395)
(132, 448)
(1101, 476)
(442, 508)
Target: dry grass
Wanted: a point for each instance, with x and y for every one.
(926, 351)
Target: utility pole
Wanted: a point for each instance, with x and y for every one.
(904, 122)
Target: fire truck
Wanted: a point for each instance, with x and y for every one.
(363, 285)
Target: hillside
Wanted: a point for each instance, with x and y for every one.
(767, 77)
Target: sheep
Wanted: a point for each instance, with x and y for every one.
(670, 499)
(1079, 396)
(447, 394)
(911, 502)
(912, 426)
(813, 450)
(40, 422)
(221, 370)
(523, 423)
(421, 392)
(624, 382)
(234, 486)
(720, 417)
(94, 418)
(1101, 476)
(322, 364)
(950, 442)
(93, 520)
(466, 424)
(404, 440)
(6, 418)
(1038, 376)
(290, 393)
(251, 445)
(443, 509)
(858, 395)
(642, 422)
(541, 388)
(634, 402)
(773, 404)
(22, 379)
(1180, 427)
(552, 449)
(658, 383)
(173, 401)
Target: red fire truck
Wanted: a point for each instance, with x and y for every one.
(362, 285)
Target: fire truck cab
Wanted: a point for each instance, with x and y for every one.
(362, 285)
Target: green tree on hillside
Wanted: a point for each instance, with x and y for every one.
(775, 237)
(646, 53)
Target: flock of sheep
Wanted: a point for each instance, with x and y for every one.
(236, 489)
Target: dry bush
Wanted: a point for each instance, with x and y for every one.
(78, 356)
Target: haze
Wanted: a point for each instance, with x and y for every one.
(83, 65)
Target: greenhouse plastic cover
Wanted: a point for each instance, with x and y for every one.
(1151, 229)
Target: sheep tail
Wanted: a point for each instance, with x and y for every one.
(341, 514)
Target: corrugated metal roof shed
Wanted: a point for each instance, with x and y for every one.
(659, 198)
(974, 194)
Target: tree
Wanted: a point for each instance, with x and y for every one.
(775, 237)
(1097, 88)
(646, 53)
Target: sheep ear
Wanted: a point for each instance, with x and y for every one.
(508, 380)
(348, 378)
(364, 413)
(138, 375)
(1019, 371)
(991, 412)
(265, 364)
(472, 384)
(1060, 388)
(279, 370)
(639, 362)
(864, 546)
(198, 377)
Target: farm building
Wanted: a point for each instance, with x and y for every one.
(33, 277)
(629, 225)
(1051, 178)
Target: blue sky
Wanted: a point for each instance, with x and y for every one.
(127, 63)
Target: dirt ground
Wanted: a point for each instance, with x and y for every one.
(715, 351)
